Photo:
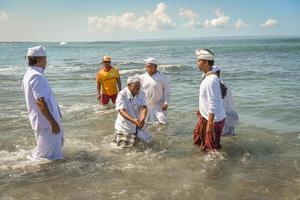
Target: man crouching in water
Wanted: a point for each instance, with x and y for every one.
(131, 105)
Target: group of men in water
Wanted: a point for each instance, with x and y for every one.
(144, 100)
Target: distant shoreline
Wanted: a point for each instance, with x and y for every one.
(170, 39)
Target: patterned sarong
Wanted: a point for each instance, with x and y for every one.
(123, 139)
(204, 140)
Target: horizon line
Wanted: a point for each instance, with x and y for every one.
(160, 39)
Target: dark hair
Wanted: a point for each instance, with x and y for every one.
(32, 60)
(211, 62)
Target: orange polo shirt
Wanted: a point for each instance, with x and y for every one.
(108, 80)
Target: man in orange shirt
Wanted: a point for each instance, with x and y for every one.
(108, 80)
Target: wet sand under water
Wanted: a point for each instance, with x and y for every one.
(253, 165)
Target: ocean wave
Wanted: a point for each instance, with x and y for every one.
(171, 66)
(131, 71)
(130, 63)
(11, 70)
(88, 108)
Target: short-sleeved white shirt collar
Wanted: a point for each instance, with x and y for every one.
(132, 105)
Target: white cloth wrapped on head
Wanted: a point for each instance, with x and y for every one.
(37, 51)
(204, 54)
(133, 79)
(150, 60)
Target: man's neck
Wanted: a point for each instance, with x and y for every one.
(207, 69)
(153, 73)
(40, 67)
(107, 68)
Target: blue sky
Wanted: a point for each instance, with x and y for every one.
(90, 20)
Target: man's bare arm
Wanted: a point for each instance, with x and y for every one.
(45, 111)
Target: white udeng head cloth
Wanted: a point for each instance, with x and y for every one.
(133, 79)
(204, 54)
(150, 60)
(37, 51)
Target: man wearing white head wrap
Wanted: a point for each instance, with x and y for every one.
(157, 89)
(132, 110)
(133, 79)
(211, 112)
(43, 110)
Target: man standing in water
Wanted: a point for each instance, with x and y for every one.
(108, 79)
(207, 133)
(157, 89)
(43, 110)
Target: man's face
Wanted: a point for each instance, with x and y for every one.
(42, 62)
(202, 64)
(106, 63)
(150, 68)
(134, 88)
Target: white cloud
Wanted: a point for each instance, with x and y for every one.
(3, 15)
(221, 20)
(192, 16)
(152, 21)
(270, 23)
(241, 24)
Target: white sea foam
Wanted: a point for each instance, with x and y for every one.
(78, 144)
(213, 156)
(171, 66)
(19, 160)
(131, 71)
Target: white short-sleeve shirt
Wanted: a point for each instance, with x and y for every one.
(35, 85)
(132, 105)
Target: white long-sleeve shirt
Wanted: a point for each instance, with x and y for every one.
(156, 88)
(35, 85)
(210, 98)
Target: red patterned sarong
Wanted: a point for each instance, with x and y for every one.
(204, 140)
(105, 98)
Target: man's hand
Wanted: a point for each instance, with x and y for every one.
(142, 123)
(55, 128)
(136, 122)
(164, 107)
(99, 97)
(45, 111)
(210, 129)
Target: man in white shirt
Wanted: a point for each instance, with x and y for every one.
(157, 89)
(207, 133)
(132, 110)
(43, 111)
